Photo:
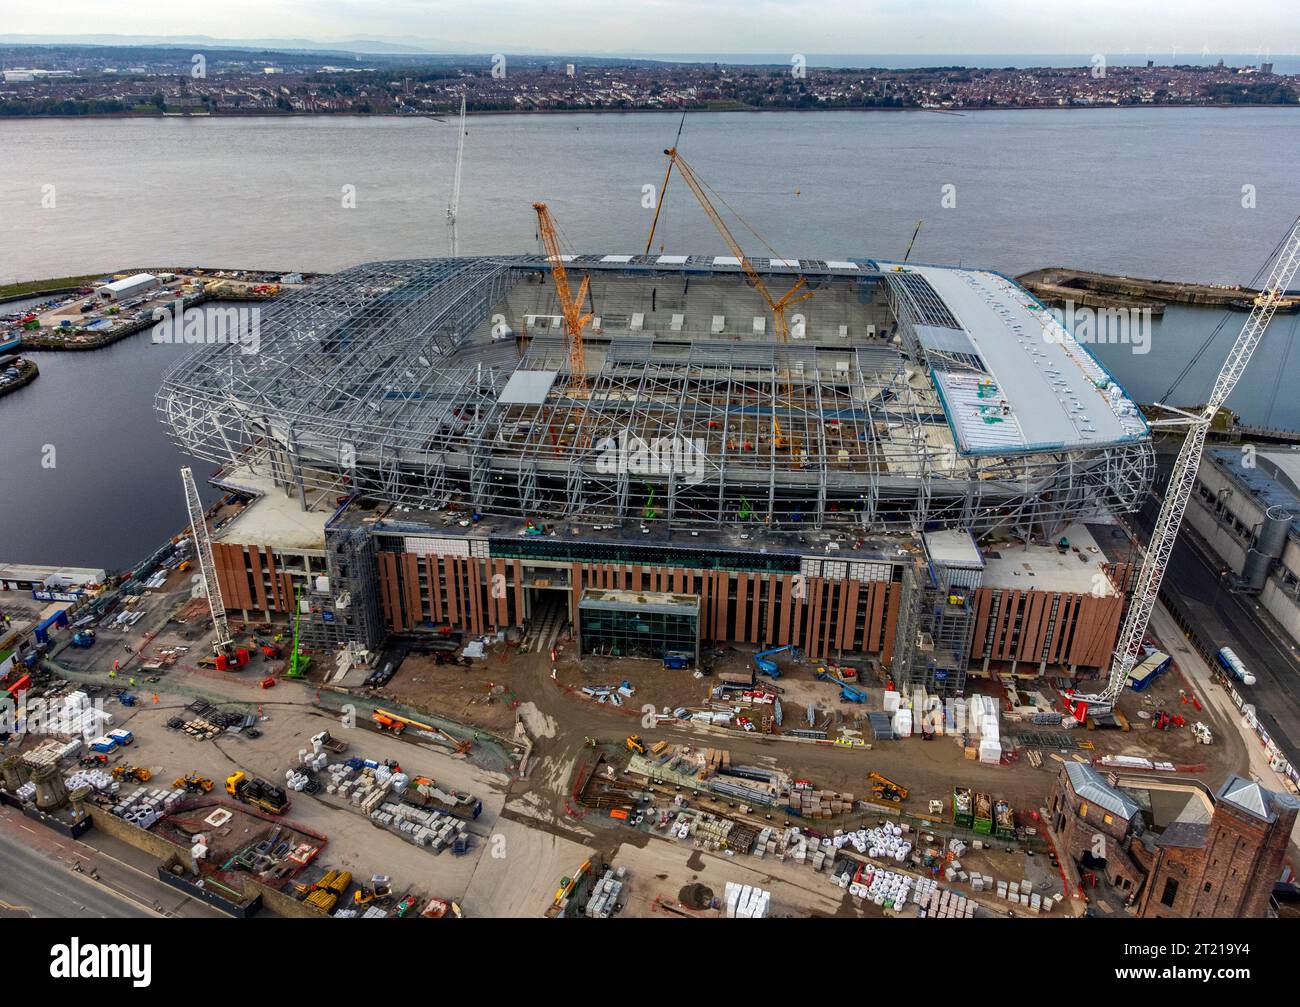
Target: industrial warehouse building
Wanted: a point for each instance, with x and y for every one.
(1246, 505)
(908, 479)
(128, 287)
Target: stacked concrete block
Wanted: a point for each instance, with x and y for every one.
(606, 895)
(745, 901)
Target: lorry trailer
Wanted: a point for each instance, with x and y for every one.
(422, 792)
(1231, 663)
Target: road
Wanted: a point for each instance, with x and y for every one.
(1225, 619)
(38, 879)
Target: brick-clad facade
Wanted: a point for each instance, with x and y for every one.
(1094, 824)
(1227, 867)
(1205, 863)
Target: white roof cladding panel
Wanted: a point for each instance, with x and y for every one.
(527, 388)
(1054, 390)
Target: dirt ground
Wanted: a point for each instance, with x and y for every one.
(480, 695)
(534, 817)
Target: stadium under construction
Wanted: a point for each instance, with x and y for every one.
(905, 478)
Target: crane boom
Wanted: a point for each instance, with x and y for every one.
(777, 306)
(570, 304)
(663, 189)
(207, 567)
(453, 208)
(1182, 479)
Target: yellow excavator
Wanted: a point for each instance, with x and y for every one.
(634, 744)
(138, 773)
(193, 783)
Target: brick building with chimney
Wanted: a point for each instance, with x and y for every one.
(1225, 867)
(1215, 858)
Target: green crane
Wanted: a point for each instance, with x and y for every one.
(298, 663)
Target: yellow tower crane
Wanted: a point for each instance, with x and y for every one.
(570, 304)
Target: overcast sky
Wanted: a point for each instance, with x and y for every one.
(727, 26)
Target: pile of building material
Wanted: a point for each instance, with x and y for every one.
(431, 830)
(364, 786)
(145, 806)
(96, 779)
(325, 893)
(745, 902)
(887, 889)
(939, 903)
(882, 724)
(982, 882)
(74, 715)
(50, 753)
(1022, 893)
(881, 843)
(982, 727)
(729, 787)
(808, 803)
(606, 895)
(200, 728)
(614, 694)
(791, 844)
(712, 832)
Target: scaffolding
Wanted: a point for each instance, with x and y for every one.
(447, 382)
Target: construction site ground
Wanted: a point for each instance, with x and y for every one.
(478, 695)
(533, 820)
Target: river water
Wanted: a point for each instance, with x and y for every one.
(1149, 192)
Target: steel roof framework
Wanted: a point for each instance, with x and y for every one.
(379, 380)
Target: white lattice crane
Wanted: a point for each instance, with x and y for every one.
(222, 642)
(1183, 477)
(453, 208)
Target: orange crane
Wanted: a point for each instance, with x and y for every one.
(570, 305)
(699, 189)
(386, 720)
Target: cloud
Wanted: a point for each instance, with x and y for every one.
(714, 26)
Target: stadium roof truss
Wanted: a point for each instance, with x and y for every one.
(445, 382)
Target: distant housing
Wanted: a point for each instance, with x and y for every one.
(120, 290)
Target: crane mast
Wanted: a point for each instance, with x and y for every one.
(454, 206)
(207, 567)
(663, 189)
(570, 304)
(1182, 479)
